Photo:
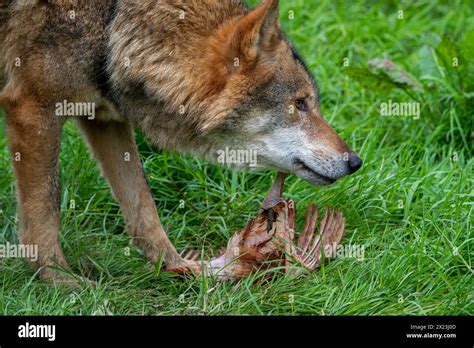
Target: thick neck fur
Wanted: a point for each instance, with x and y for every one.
(164, 79)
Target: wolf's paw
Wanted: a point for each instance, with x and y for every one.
(186, 265)
(60, 277)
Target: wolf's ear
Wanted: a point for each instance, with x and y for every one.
(257, 32)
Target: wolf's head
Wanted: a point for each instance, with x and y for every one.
(274, 100)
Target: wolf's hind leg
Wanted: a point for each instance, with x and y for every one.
(113, 146)
(34, 140)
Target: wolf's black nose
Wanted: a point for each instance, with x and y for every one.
(354, 162)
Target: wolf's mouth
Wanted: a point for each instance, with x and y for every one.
(319, 177)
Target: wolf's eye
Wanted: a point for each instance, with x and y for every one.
(301, 105)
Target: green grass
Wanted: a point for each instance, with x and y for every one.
(410, 206)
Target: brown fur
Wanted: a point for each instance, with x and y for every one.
(166, 66)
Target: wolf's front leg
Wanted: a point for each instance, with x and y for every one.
(113, 146)
(34, 140)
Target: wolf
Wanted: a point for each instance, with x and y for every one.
(195, 76)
